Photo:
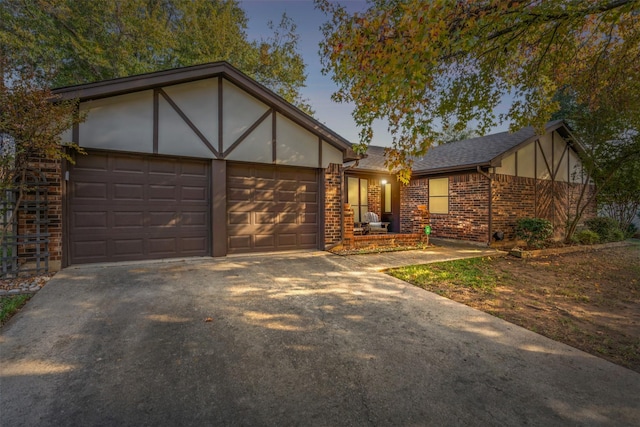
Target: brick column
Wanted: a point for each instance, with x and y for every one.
(332, 204)
(420, 219)
(348, 241)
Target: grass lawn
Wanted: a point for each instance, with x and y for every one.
(9, 305)
(589, 300)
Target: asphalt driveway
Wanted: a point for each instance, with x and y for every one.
(290, 339)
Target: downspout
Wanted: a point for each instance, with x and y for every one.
(486, 175)
(342, 202)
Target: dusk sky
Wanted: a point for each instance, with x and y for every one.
(319, 88)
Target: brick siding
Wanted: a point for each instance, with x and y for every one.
(333, 204)
(512, 198)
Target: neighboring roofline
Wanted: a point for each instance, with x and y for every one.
(140, 82)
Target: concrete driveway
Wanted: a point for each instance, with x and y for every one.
(290, 339)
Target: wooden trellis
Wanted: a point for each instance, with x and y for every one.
(25, 247)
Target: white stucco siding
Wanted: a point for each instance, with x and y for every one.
(185, 120)
(295, 145)
(508, 165)
(176, 137)
(330, 154)
(527, 161)
(123, 122)
(257, 147)
(199, 102)
(240, 112)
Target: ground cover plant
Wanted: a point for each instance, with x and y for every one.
(9, 305)
(588, 300)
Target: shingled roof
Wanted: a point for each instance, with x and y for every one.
(483, 151)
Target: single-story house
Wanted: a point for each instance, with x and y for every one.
(195, 161)
(204, 161)
(475, 189)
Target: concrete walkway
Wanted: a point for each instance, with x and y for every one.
(289, 339)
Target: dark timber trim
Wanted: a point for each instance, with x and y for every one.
(218, 207)
(220, 115)
(274, 135)
(246, 134)
(156, 109)
(189, 122)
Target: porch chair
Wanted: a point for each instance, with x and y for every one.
(375, 225)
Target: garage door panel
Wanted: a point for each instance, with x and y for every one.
(87, 220)
(125, 247)
(162, 193)
(128, 191)
(127, 219)
(288, 218)
(238, 218)
(239, 243)
(281, 206)
(264, 242)
(139, 207)
(261, 218)
(308, 239)
(264, 195)
(193, 193)
(128, 165)
(94, 250)
(90, 190)
(309, 218)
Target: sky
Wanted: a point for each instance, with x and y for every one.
(319, 87)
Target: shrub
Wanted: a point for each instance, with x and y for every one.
(534, 230)
(586, 237)
(632, 230)
(607, 229)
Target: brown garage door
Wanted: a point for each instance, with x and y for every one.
(271, 208)
(132, 207)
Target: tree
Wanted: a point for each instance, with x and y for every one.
(31, 126)
(620, 199)
(607, 129)
(416, 63)
(71, 42)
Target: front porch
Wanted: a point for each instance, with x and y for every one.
(420, 219)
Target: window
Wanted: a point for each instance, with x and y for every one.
(439, 195)
(387, 197)
(357, 197)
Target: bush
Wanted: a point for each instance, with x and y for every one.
(534, 231)
(586, 237)
(607, 229)
(632, 230)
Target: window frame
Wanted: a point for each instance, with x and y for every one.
(438, 197)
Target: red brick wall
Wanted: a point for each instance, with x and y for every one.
(414, 194)
(468, 217)
(468, 208)
(512, 198)
(374, 197)
(333, 204)
(519, 197)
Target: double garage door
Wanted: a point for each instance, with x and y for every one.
(133, 207)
